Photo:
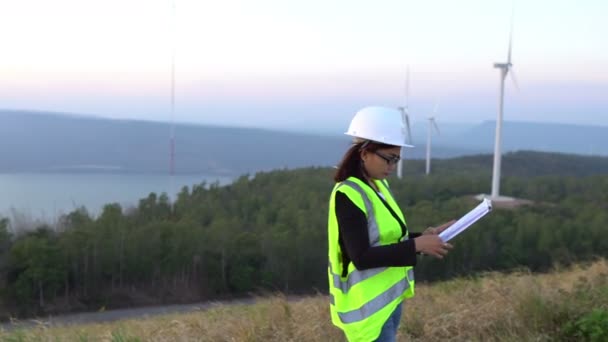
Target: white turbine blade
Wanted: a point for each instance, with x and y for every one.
(435, 125)
(511, 36)
(509, 53)
(409, 130)
(514, 79)
(407, 86)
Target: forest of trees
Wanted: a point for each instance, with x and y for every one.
(267, 232)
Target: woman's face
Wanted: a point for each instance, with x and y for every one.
(381, 163)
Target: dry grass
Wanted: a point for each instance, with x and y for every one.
(494, 307)
(498, 307)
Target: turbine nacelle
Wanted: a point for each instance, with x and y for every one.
(503, 65)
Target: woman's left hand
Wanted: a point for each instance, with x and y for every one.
(437, 230)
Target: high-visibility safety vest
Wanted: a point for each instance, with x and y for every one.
(362, 301)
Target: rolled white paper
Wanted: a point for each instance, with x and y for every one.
(467, 220)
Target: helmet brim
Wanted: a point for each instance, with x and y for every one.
(391, 142)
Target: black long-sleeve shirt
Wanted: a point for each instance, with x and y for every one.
(354, 240)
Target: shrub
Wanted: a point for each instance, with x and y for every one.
(592, 326)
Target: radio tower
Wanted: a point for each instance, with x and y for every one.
(172, 129)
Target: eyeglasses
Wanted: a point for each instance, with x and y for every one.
(390, 160)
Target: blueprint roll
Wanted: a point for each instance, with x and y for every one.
(467, 220)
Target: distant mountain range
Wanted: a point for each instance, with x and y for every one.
(54, 142)
(548, 137)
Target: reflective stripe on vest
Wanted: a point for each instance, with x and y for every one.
(372, 225)
(332, 301)
(357, 276)
(375, 304)
(354, 277)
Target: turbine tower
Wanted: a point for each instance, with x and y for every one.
(432, 124)
(504, 71)
(405, 116)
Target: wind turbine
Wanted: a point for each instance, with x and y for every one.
(432, 124)
(405, 116)
(504, 71)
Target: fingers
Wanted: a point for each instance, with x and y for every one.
(432, 245)
(439, 229)
(441, 251)
(444, 226)
(431, 231)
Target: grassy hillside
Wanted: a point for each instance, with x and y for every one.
(565, 305)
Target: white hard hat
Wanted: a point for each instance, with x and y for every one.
(379, 124)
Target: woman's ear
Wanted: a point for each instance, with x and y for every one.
(364, 155)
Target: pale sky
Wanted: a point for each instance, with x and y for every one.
(305, 65)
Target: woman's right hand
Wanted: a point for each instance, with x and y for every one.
(432, 245)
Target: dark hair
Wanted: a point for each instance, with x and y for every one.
(351, 161)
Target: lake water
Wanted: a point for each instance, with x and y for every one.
(43, 196)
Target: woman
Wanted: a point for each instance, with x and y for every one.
(371, 251)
